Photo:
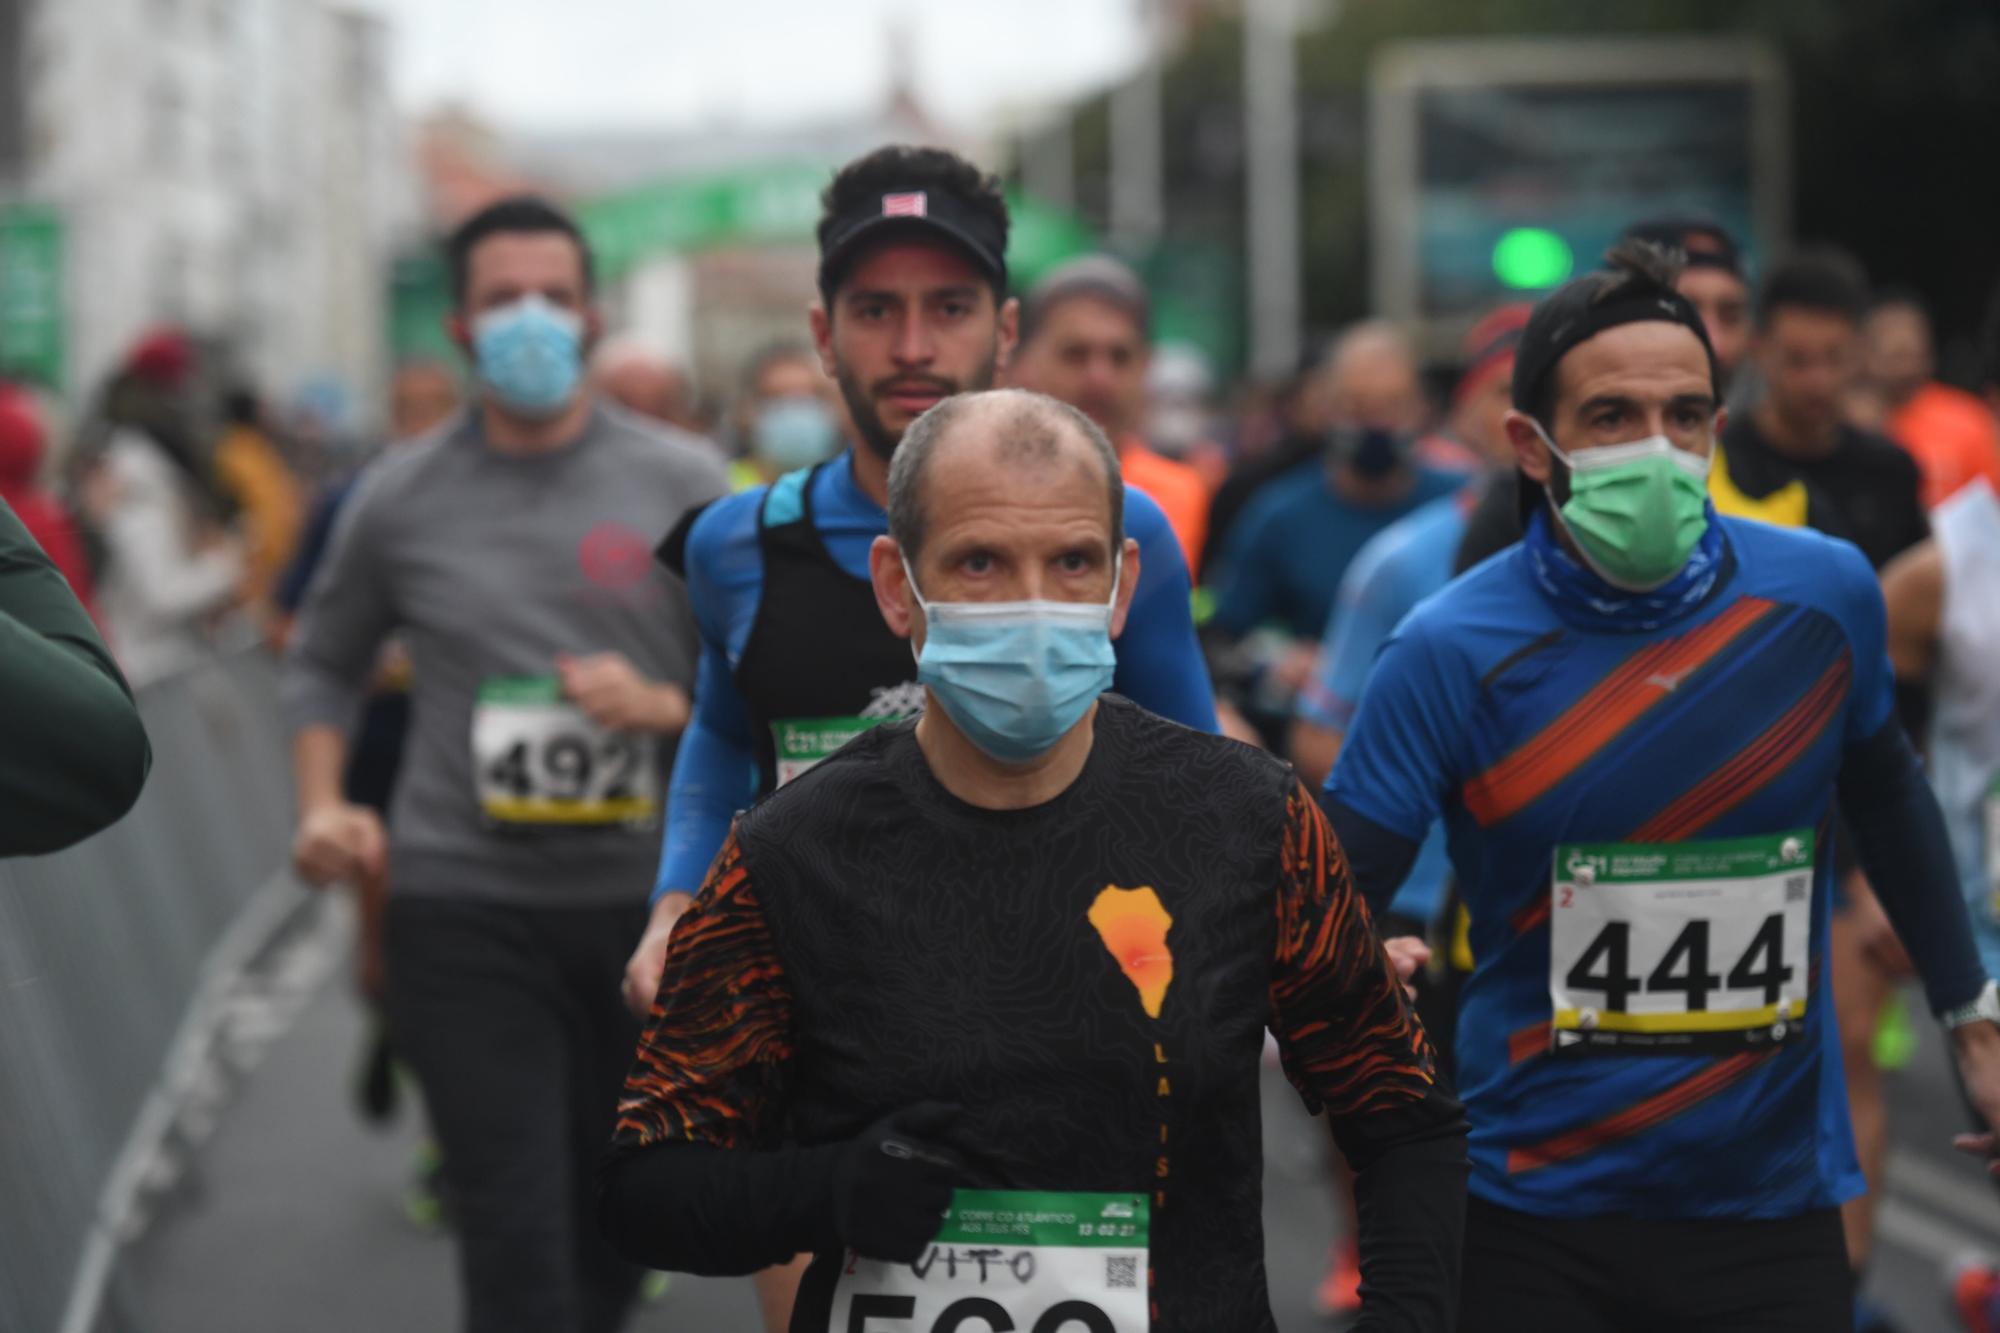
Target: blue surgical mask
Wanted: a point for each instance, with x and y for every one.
(791, 433)
(1016, 676)
(529, 354)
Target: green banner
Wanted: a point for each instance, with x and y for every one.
(779, 205)
(775, 205)
(33, 339)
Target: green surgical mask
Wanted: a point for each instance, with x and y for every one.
(1636, 510)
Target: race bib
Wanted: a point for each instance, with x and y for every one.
(1992, 811)
(537, 761)
(1677, 948)
(802, 742)
(1010, 1259)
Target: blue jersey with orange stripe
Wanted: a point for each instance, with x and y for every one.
(1527, 717)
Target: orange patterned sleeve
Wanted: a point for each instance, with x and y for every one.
(711, 1063)
(1349, 1040)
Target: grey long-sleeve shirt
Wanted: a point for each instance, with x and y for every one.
(489, 566)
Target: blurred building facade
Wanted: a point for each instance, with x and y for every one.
(235, 166)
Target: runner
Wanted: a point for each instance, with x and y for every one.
(549, 665)
(1633, 725)
(786, 418)
(1948, 431)
(1848, 482)
(901, 986)
(1086, 340)
(795, 657)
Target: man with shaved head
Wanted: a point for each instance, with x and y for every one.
(972, 1010)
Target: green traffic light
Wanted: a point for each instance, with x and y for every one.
(1531, 257)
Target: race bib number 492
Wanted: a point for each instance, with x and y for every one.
(1010, 1260)
(1679, 948)
(537, 761)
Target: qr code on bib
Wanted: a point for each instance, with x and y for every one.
(1797, 888)
(1121, 1272)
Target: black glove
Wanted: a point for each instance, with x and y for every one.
(891, 1186)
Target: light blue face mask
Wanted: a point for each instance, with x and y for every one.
(1016, 676)
(791, 433)
(529, 354)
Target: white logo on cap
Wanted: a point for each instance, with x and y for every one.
(911, 205)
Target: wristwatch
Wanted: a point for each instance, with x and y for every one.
(1985, 1006)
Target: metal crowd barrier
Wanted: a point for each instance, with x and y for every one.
(108, 954)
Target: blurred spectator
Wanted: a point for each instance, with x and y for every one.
(640, 379)
(1948, 431)
(1085, 341)
(1180, 418)
(23, 443)
(422, 395)
(786, 418)
(1304, 414)
(170, 567)
(1288, 552)
(270, 507)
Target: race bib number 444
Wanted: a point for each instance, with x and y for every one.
(537, 761)
(1013, 1262)
(1679, 948)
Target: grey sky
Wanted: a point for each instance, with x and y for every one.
(601, 64)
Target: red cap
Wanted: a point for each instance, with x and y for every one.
(163, 357)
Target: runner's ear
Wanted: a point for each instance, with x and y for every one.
(1128, 585)
(892, 587)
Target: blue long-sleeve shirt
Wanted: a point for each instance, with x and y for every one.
(1160, 665)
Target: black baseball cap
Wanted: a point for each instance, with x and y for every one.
(925, 210)
(1705, 244)
(1579, 310)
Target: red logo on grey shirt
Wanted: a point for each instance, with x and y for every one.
(614, 556)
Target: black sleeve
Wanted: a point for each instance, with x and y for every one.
(1379, 859)
(1900, 838)
(672, 550)
(719, 1212)
(1410, 1206)
(1495, 522)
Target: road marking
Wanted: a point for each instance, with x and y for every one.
(1918, 1232)
(1957, 1189)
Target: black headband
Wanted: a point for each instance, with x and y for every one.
(1559, 325)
